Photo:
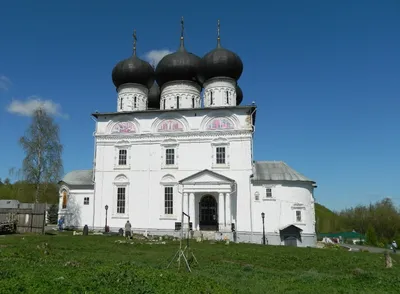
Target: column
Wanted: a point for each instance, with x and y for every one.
(221, 212)
(228, 211)
(192, 212)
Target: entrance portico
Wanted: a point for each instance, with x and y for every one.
(207, 199)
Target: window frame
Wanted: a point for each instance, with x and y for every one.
(268, 193)
(164, 147)
(298, 213)
(215, 146)
(120, 182)
(86, 200)
(122, 157)
(220, 155)
(118, 147)
(169, 158)
(170, 192)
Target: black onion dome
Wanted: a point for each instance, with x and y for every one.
(133, 70)
(180, 65)
(221, 62)
(239, 95)
(154, 97)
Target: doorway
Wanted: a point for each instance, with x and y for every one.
(291, 241)
(208, 213)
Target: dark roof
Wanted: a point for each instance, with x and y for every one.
(133, 70)
(154, 97)
(239, 95)
(180, 65)
(288, 227)
(221, 62)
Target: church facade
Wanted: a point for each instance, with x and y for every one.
(181, 142)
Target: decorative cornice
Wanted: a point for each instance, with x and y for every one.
(230, 135)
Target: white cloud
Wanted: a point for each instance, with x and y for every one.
(28, 107)
(5, 83)
(154, 56)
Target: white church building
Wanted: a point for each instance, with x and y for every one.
(180, 140)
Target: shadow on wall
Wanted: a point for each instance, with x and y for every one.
(72, 217)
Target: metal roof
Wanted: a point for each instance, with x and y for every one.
(276, 171)
(79, 178)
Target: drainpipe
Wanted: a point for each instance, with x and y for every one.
(94, 170)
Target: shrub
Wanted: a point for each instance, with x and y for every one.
(52, 214)
(371, 236)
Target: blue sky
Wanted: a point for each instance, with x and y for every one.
(325, 76)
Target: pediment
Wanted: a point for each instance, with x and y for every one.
(206, 176)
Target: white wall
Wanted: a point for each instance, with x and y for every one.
(77, 214)
(280, 209)
(195, 149)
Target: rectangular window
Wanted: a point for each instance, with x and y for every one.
(134, 102)
(170, 156)
(220, 154)
(269, 193)
(169, 200)
(164, 103)
(177, 102)
(298, 216)
(227, 97)
(211, 98)
(120, 104)
(121, 200)
(122, 155)
(86, 201)
(192, 102)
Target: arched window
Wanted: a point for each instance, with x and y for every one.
(164, 103)
(192, 102)
(227, 97)
(177, 102)
(120, 104)
(64, 199)
(211, 98)
(134, 102)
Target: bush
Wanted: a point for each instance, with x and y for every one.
(371, 236)
(52, 214)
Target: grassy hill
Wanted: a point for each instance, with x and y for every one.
(327, 220)
(100, 264)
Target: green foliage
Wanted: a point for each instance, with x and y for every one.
(41, 144)
(383, 216)
(371, 236)
(25, 192)
(52, 214)
(97, 264)
(327, 221)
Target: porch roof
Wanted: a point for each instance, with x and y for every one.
(207, 177)
(290, 227)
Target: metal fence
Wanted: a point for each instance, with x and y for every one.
(28, 219)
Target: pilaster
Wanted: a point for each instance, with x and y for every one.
(228, 216)
(221, 212)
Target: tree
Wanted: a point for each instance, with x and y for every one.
(42, 164)
(52, 214)
(371, 236)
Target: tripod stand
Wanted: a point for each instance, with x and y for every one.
(187, 250)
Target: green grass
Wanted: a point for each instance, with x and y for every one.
(96, 264)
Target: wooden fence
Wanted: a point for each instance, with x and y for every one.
(28, 219)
